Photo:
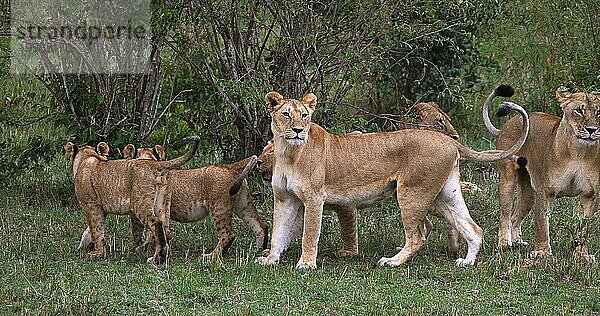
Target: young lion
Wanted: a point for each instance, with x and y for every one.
(430, 117)
(216, 190)
(138, 187)
(563, 155)
(313, 168)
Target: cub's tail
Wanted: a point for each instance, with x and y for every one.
(251, 164)
(181, 160)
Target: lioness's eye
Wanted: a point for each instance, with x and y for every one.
(440, 121)
(304, 115)
(286, 114)
(578, 112)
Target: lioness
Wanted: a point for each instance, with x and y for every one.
(563, 157)
(138, 187)
(431, 117)
(313, 168)
(216, 190)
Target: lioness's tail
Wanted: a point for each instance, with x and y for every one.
(235, 188)
(503, 91)
(494, 155)
(181, 160)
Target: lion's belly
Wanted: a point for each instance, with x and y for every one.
(121, 207)
(189, 212)
(361, 197)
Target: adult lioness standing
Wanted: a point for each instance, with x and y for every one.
(563, 157)
(313, 167)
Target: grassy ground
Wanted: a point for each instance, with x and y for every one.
(44, 273)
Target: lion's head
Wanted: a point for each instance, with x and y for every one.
(155, 153)
(433, 117)
(290, 118)
(582, 114)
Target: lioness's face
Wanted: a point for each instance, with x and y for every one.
(582, 113)
(290, 119)
(433, 116)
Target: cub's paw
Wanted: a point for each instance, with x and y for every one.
(463, 262)
(581, 253)
(343, 253)
(540, 253)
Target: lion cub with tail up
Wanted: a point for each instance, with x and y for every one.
(419, 167)
(125, 187)
(218, 191)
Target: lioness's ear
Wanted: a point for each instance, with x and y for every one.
(102, 149)
(310, 100)
(273, 101)
(563, 94)
(129, 151)
(159, 152)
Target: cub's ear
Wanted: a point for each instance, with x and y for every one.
(421, 110)
(563, 94)
(273, 101)
(159, 152)
(102, 149)
(71, 149)
(311, 101)
(129, 151)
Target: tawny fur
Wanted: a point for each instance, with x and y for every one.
(563, 155)
(218, 191)
(431, 117)
(127, 187)
(314, 168)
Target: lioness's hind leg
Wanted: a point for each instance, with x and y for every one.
(414, 206)
(349, 231)
(523, 205)
(506, 187)
(451, 203)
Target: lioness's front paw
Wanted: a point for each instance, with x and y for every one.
(306, 265)
(267, 261)
(463, 262)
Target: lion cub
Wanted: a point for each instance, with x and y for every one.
(563, 155)
(216, 190)
(129, 187)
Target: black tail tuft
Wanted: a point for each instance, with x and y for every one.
(503, 111)
(504, 90)
(522, 162)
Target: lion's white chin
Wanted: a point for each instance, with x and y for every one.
(586, 142)
(296, 141)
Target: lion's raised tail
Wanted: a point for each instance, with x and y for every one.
(467, 153)
(181, 160)
(251, 164)
(505, 91)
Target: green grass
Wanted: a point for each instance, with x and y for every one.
(43, 272)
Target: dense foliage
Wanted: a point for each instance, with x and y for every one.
(212, 63)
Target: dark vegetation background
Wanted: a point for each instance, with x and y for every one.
(213, 62)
